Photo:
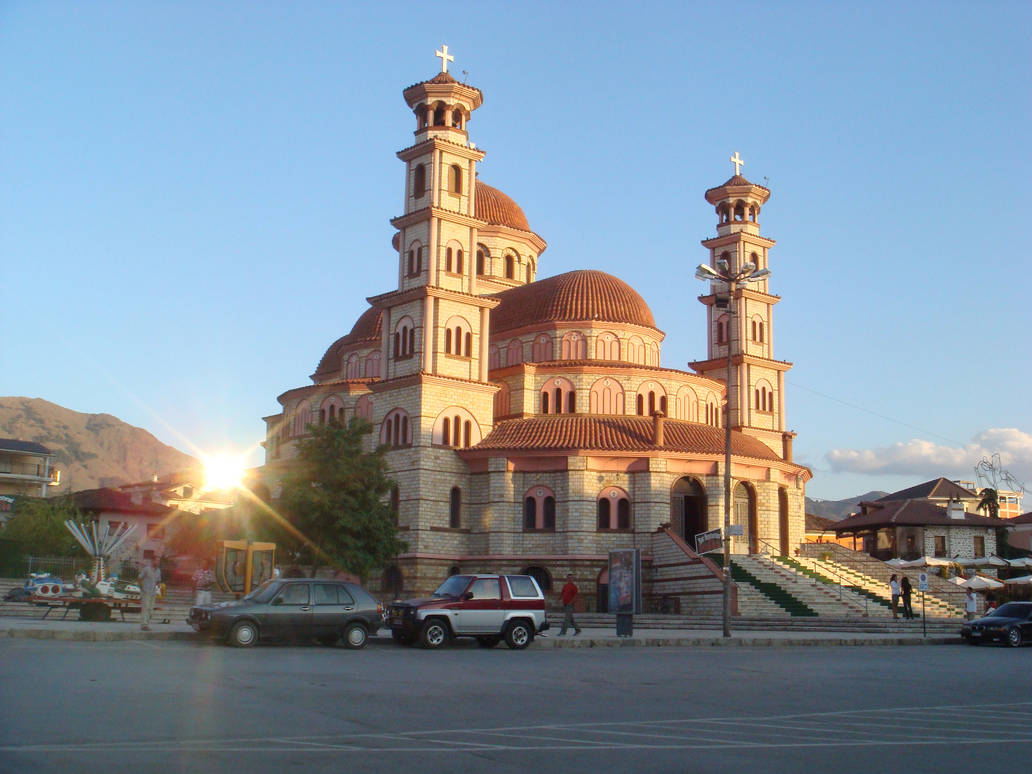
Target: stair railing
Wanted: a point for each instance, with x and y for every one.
(840, 580)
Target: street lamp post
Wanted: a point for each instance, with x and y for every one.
(748, 273)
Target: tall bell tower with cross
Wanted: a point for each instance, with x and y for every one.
(743, 322)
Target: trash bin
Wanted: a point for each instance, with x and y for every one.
(624, 624)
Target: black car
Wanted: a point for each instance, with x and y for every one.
(295, 609)
(1010, 623)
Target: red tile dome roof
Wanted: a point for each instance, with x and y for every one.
(575, 296)
(365, 330)
(498, 209)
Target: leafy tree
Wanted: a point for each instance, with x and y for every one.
(38, 526)
(990, 502)
(334, 499)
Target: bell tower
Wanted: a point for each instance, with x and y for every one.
(743, 321)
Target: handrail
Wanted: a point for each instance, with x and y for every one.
(841, 580)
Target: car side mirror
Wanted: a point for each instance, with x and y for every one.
(468, 595)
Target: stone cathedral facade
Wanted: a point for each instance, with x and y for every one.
(531, 425)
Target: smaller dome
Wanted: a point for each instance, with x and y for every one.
(498, 209)
(366, 330)
(575, 296)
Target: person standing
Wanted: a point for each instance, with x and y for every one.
(906, 590)
(568, 596)
(203, 583)
(971, 605)
(150, 577)
(894, 592)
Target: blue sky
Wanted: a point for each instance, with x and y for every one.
(194, 198)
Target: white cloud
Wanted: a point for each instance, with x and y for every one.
(925, 458)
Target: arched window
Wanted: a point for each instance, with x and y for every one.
(636, 350)
(457, 428)
(364, 408)
(421, 116)
(754, 258)
(404, 338)
(494, 357)
(456, 121)
(455, 508)
(739, 211)
(686, 405)
(415, 259)
(419, 181)
(514, 352)
(542, 350)
(539, 509)
(483, 258)
(607, 346)
(459, 263)
(395, 430)
(448, 259)
(651, 398)
(302, 418)
(558, 394)
(354, 367)
(372, 364)
(458, 337)
(573, 346)
(510, 267)
(455, 179)
(332, 410)
(614, 509)
(607, 397)
(439, 115)
(722, 329)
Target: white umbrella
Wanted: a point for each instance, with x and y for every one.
(980, 582)
(930, 561)
(1024, 561)
(897, 563)
(1024, 580)
(996, 561)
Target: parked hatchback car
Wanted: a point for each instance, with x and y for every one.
(295, 609)
(488, 607)
(1010, 623)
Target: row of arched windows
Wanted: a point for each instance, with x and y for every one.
(739, 211)
(510, 264)
(440, 114)
(404, 339)
(574, 346)
(415, 261)
(613, 509)
(458, 339)
(358, 367)
(453, 261)
(764, 398)
(419, 187)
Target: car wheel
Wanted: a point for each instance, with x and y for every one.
(244, 634)
(327, 639)
(355, 636)
(518, 635)
(1014, 637)
(488, 641)
(435, 634)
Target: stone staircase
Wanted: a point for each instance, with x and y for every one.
(822, 598)
(942, 600)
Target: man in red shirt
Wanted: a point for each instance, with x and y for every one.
(568, 596)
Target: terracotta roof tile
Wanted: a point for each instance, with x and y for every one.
(498, 209)
(585, 295)
(366, 329)
(107, 499)
(937, 487)
(912, 513)
(567, 432)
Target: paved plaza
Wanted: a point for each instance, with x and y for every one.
(168, 705)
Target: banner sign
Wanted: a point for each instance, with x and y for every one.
(707, 541)
(625, 581)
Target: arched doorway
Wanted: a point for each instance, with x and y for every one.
(540, 574)
(783, 538)
(602, 590)
(688, 509)
(745, 514)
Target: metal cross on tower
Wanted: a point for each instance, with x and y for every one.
(736, 159)
(445, 58)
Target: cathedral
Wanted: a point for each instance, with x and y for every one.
(531, 426)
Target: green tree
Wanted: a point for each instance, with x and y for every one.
(334, 499)
(990, 502)
(38, 526)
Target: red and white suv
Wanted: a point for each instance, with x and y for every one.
(488, 607)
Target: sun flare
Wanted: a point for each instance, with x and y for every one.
(223, 471)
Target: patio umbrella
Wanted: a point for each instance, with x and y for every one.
(930, 561)
(980, 583)
(897, 563)
(1024, 561)
(996, 561)
(1024, 580)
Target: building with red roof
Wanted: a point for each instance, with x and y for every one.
(531, 424)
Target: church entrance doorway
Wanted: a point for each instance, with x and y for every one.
(745, 514)
(688, 509)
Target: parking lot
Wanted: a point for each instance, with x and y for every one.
(189, 706)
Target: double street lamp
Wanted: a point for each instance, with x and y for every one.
(734, 280)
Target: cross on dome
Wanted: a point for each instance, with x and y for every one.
(445, 58)
(736, 159)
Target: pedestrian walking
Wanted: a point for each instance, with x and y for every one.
(906, 590)
(894, 592)
(568, 596)
(203, 583)
(150, 577)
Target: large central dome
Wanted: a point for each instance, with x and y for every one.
(577, 296)
(498, 209)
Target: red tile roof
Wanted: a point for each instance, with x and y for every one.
(577, 296)
(915, 513)
(585, 432)
(937, 487)
(106, 499)
(366, 329)
(498, 209)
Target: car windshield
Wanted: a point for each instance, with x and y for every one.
(452, 587)
(1012, 610)
(263, 593)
